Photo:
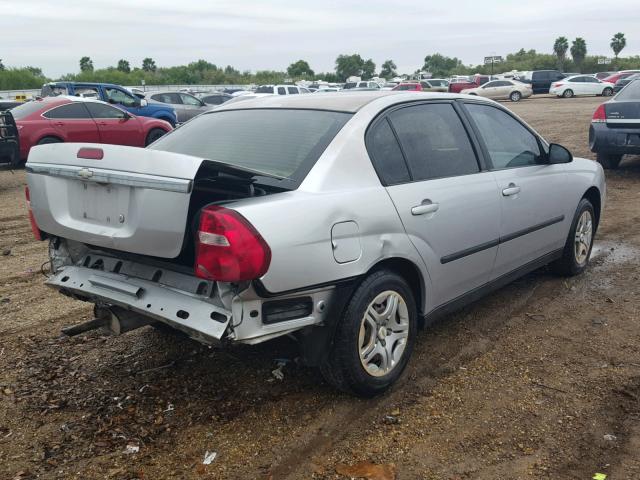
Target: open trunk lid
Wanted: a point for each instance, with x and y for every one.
(131, 199)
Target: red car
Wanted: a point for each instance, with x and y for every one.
(408, 87)
(619, 75)
(77, 119)
(456, 86)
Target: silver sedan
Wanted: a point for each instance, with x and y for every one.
(344, 220)
(186, 105)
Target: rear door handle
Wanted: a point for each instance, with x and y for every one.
(60, 124)
(427, 206)
(512, 189)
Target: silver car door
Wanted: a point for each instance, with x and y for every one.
(449, 207)
(532, 193)
(191, 106)
(176, 103)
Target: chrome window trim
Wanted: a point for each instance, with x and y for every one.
(113, 177)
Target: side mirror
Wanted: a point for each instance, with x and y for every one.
(559, 154)
(126, 116)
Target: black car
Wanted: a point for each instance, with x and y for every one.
(615, 127)
(541, 80)
(215, 98)
(620, 84)
(9, 142)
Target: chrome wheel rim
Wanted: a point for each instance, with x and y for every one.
(384, 332)
(584, 235)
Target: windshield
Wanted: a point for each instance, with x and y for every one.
(280, 142)
(26, 109)
(264, 89)
(630, 92)
(349, 85)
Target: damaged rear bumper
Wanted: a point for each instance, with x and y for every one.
(189, 309)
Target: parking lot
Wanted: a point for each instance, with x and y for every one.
(538, 380)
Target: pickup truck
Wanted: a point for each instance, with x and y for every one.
(456, 86)
(114, 94)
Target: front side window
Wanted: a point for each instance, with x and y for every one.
(491, 85)
(265, 89)
(577, 79)
(166, 98)
(189, 100)
(68, 111)
(386, 154)
(293, 90)
(213, 100)
(100, 110)
(434, 141)
(508, 142)
(280, 142)
(118, 96)
(281, 91)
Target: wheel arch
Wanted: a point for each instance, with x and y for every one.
(411, 273)
(48, 135)
(593, 195)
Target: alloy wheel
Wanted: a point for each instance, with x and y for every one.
(384, 331)
(583, 237)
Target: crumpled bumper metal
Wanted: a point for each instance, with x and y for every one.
(193, 314)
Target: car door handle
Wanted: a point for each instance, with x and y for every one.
(60, 124)
(427, 206)
(512, 189)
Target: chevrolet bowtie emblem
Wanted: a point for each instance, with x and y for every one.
(85, 173)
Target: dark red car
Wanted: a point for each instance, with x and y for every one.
(408, 87)
(456, 86)
(76, 119)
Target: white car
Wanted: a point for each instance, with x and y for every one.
(282, 89)
(581, 85)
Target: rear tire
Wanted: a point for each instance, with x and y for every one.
(47, 140)
(609, 161)
(515, 96)
(577, 249)
(607, 92)
(153, 135)
(374, 337)
(568, 93)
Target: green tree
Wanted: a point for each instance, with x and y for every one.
(368, 69)
(578, 52)
(618, 42)
(300, 69)
(86, 64)
(148, 65)
(388, 69)
(560, 47)
(441, 66)
(123, 66)
(354, 65)
(1, 65)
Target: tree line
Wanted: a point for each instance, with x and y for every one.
(346, 65)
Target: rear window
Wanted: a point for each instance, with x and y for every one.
(279, 142)
(26, 109)
(630, 92)
(264, 89)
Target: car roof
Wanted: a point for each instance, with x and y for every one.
(340, 101)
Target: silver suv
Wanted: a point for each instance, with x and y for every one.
(345, 220)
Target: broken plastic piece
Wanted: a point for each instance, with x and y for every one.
(209, 457)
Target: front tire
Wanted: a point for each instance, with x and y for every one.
(577, 249)
(515, 96)
(374, 337)
(609, 161)
(153, 135)
(568, 93)
(47, 140)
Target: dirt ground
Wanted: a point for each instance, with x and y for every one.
(538, 380)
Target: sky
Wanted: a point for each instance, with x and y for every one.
(271, 34)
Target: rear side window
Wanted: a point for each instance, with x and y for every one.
(293, 90)
(70, 110)
(508, 142)
(265, 89)
(279, 142)
(166, 98)
(386, 154)
(281, 91)
(434, 141)
(214, 100)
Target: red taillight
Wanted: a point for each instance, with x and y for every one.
(90, 153)
(228, 248)
(32, 219)
(600, 115)
(556, 85)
